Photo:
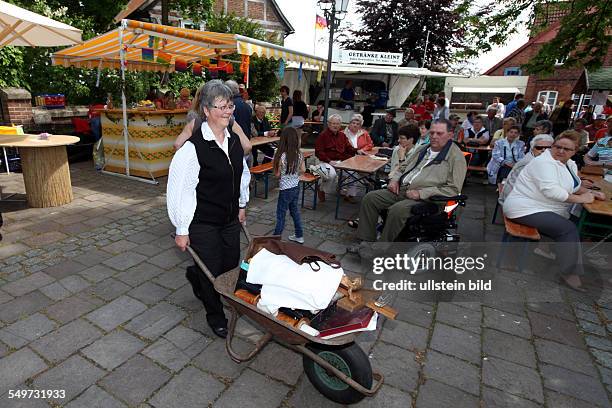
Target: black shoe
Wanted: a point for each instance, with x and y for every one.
(220, 331)
(192, 277)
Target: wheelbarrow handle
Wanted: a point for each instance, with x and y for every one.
(237, 357)
(199, 261)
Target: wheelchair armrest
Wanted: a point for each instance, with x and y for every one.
(440, 198)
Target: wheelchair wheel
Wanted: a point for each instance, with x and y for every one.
(422, 249)
(351, 360)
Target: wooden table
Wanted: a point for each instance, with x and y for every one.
(592, 213)
(592, 170)
(357, 170)
(46, 174)
(262, 140)
(488, 149)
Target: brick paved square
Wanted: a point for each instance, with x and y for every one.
(512, 378)
(565, 356)
(508, 347)
(245, 392)
(149, 293)
(55, 291)
(554, 329)
(24, 331)
(577, 385)
(23, 306)
(28, 284)
(5, 297)
(139, 274)
(458, 316)
(64, 341)
(61, 377)
(94, 396)
(146, 249)
(456, 342)
(169, 258)
(136, 380)
(214, 358)
(98, 273)
(167, 354)
(74, 283)
(452, 371)
(92, 258)
(44, 239)
(190, 389)
(173, 279)
(65, 268)
(116, 312)
(559, 310)
(119, 247)
(12, 249)
(185, 298)
(156, 321)
(141, 237)
(124, 261)
(397, 365)
(73, 307)
(564, 401)
(113, 349)
(498, 399)
(507, 322)
(18, 367)
(109, 289)
(267, 363)
(405, 335)
(435, 395)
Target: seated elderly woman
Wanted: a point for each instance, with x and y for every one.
(360, 140)
(601, 153)
(507, 123)
(538, 145)
(408, 137)
(332, 145)
(207, 194)
(409, 117)
(542, 196)
(506, 153)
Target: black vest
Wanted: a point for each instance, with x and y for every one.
(218, 189)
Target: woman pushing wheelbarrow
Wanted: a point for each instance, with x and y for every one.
(206, 197)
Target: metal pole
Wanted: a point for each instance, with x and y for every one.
(126, 148)
(425, 52)
(329, 57)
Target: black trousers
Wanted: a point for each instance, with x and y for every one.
(267, 150)
(219, 248)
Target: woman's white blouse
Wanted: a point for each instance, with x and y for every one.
(183, 179)
(543, 186)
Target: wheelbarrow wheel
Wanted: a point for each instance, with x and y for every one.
(351, 360)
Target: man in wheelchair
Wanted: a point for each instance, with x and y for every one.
(417, 189)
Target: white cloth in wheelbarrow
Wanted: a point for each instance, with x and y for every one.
(288, 284)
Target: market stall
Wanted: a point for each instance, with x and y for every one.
(141, 46)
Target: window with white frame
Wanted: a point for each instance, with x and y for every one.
(551, 97)
(185, 23)
(513, 71)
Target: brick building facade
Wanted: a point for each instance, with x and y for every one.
(265, 12)
(562, 85)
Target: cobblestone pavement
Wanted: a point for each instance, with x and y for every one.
(93, 301)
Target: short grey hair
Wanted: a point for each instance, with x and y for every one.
(358, 117)
(546, 124)
(546, 138)
(210, 92)
(233, 85)
(334, 116)
(492, 108)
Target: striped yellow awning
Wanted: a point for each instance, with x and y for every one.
(189, 45)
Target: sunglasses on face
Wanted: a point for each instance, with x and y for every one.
(541, 147)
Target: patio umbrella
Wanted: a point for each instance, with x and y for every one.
(21, 27)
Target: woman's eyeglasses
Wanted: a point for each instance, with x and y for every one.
(565, 149)
(226, 108)
(541, 147)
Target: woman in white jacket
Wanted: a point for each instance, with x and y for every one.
(542, 196)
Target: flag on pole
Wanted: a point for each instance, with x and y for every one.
(147, 54)
(300, 73)
(281, 69)
(320, 73)
(163, 57)
(320, 23)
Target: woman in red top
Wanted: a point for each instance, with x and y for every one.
(331, 146)
(419, 109)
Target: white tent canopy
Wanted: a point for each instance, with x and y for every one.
(21, 27)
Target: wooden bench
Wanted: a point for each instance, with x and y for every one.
(310, 182)
(262, 171)
(517, 232)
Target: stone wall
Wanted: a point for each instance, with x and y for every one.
(16, 106)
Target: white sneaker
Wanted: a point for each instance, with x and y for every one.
(548, 255)
(293, 238)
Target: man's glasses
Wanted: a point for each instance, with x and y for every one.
(565, 149)
(226, 108)
(541, 147)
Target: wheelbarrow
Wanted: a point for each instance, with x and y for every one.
(338, 368)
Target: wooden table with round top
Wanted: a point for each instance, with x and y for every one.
(45, 168)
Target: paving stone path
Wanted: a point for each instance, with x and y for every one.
(93, 301)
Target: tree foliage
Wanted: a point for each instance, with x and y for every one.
(582, 39)
(262, 81)
(402, 25)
